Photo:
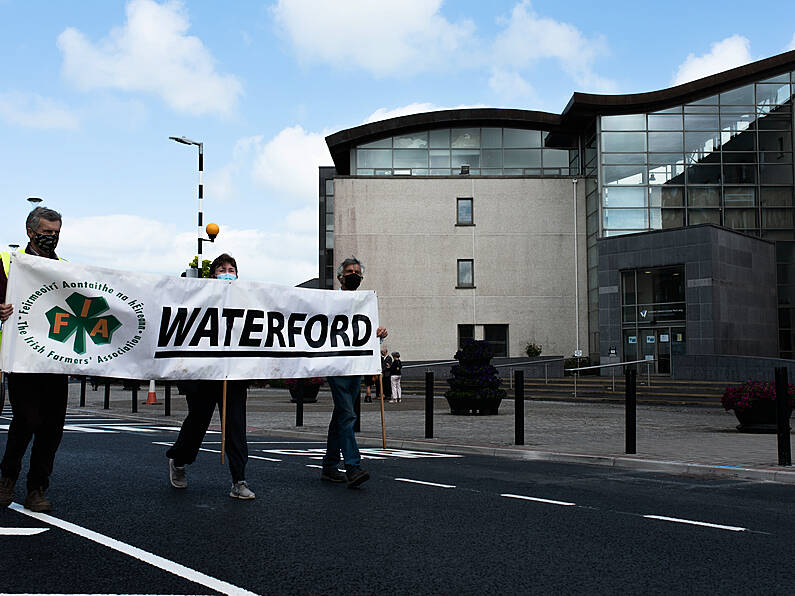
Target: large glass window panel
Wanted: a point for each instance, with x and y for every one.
(712, 100)
(740, 219)
(411, 158)
(739, 173)
(777, 218)
(329, 205)
(379, 144)
(701, 122)
(491, 158)
(330, 187)
(776, 196)
(703, 196)
(628, 287)
(773, 94)
(740, 96)
(624, 122)
(666, 196)
(701, 143)
(623, 175)
(626, 219)
(512, 171)
(419, 171)
(777, 79)
(703, 216)
(666, 173)
(660, 158)
(625, 158)
(439, 172)
(703, 174)
(416, 140)
(739, 196)
(775, 122)
(775, 157)
(674, 110)
(665, 122)
(491, 138)
(665, 141)
(624, 197)
(465, 137)
(491, 172)
(737, 123)
(364, 172)
(374, 158)
(738, 141)
(522, 158)
(701, 109)
(775, 174)
(739, 157)
(775, 141)
(672, 218)
(440, 138)
(556, 158)
(440, 158)
(518, 138)
(627, 142)
(470, 157)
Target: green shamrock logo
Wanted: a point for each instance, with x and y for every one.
(64, 324)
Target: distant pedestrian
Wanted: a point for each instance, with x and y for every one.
(386, 361)
(202, 397)
(38, 401)
(344, 390)
(369, 385)
(395, 370)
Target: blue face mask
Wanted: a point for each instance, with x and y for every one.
(229, 276)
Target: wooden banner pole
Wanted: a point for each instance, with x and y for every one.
(223, 422)
(383, 426)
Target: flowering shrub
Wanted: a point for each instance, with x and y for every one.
(533, 350)
(741, 397)
(291, 383)
(473, 377)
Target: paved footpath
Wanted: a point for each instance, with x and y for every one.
(675, 439)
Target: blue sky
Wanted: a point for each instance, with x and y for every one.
(90, 92)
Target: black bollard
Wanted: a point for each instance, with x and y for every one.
(299, 406)
(631, 376)
(82, 392)
(357, 408)
(783, 412)
(518, 389)
(106, 404)
(135, 398)
(429, 404)
(167, 399)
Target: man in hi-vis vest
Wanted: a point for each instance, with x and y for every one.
(38, 401)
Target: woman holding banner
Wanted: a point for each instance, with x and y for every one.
(202, 397)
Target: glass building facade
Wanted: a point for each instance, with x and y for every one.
(725, 159)
(489, 151)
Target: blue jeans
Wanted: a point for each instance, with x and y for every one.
(344, 391)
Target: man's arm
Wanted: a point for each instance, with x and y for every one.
(5, 311)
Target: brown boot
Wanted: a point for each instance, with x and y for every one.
(36, 501)
(6, 491)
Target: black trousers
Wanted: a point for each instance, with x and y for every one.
(38, 406)
(202, 398)
(387, 387)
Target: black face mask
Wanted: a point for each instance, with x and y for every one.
(46, 242)
(351, 281)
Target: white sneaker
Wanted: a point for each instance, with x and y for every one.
(240, 490)
(177, 475)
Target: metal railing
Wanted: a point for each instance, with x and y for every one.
(530, 362)
(648, 361)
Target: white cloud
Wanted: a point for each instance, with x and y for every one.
(386, 38)
(288, 163)
(152, 54)
(29, 110)
(412, 108)
(511, 85)
(303, 220)
(791, 45)
(725, 54)
(529, 38)
(133, 243)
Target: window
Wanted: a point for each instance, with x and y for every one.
(465, 332)
(466, 277)
(464, 213)
(497, 336)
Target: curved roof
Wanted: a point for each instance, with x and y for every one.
(578, 114)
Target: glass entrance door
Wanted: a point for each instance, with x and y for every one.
(655, 343)
(664, 351)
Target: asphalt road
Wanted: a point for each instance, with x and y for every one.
(425, 523)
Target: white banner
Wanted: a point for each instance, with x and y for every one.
(79, 320)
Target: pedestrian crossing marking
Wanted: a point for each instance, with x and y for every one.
(21, 531)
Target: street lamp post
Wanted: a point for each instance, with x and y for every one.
(200, 223)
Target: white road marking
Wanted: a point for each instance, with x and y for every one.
(539, 500)
(425, 483)
(137, 553)
(696, 523)
(321, 467)
(21, 531)
(217, 451)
